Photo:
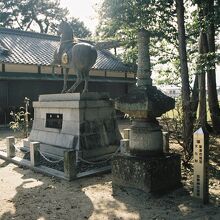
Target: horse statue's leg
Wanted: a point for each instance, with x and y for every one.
(53, 70)
(76, 84)
(65, 77)
(86, 78)
(85, 86)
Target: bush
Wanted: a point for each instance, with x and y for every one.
(18, 122)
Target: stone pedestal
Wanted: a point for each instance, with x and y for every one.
(72, 121)
(150, 174)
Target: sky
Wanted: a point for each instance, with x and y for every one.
(84, 10)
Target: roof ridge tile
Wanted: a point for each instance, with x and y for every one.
(28, 33)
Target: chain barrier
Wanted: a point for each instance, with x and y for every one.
(48, 160)
(99, 162)
(16, 148)
(19, 150)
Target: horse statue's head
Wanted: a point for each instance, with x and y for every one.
(65, 30)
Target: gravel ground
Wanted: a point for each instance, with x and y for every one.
(26, 195)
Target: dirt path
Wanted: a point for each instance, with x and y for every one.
(26, 195)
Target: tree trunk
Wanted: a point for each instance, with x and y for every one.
(195, 98)
(187, 113)
(202, 82)
(211, 77)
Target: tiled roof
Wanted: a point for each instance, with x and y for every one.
(36, 48)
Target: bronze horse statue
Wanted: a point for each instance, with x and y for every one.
(78, 56)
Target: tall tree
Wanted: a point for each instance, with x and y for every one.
(212, 89)
(202, 80)
(208, 22)
(187, 113)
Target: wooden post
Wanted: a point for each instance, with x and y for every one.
(26, 101)
(70, 165)
(34, 153)
(124, 146)
(201, 162)
(10, 141)
(166, 142)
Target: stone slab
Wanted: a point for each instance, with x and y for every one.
(73, 97)
(150, 174)
(48, 150)
(53, 138)
(57, 152)
(59, 104)
(73, 104)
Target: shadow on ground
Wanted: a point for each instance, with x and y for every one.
(40, 197)
(177, 204)
(4, 164)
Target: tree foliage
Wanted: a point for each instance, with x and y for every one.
(79, 29)
(38, 15)
(122, 19)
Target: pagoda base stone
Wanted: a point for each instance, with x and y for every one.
(150, 174)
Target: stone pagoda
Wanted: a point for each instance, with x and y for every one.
(145, 166)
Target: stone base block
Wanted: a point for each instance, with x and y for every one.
(150, 174)
(74, 121)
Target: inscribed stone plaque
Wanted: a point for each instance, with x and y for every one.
(54, 120)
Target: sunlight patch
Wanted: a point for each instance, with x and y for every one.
(41, 218)
(31, 183)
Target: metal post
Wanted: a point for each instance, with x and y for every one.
(70, 165)
(34, 153)
(201, 153)
(10, 141)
